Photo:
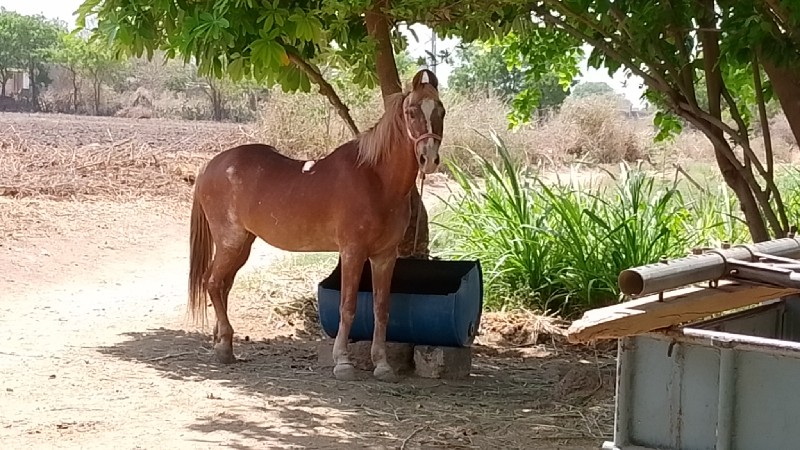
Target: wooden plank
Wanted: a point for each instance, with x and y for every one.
(646, 314)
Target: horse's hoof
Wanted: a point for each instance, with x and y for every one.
(344, 372)
(224, 353)
(385, 373)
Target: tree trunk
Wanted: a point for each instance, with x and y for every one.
(734, 179)
(75, 90)
(4, 78)
(216, 104)
(378, 27)
(747, 201)
(97, 88)
(385, 65)
(786, 85)
(34, 91)
(714, 83)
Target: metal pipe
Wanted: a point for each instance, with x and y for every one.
(662, 276)
(720, 339)
(725, 406)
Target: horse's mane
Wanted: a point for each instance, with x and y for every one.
(389, 132)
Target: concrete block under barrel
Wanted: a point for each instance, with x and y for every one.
(433, 302)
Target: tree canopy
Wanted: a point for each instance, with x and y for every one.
(671, 45)
(587, 88)
(484, 69)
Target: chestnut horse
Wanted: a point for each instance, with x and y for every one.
(355, 201)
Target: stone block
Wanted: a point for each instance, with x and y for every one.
(400, 355)
(442, 362)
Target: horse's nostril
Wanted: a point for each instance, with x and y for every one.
(422, 159)
(436, 161)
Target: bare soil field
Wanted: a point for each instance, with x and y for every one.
(98, 352)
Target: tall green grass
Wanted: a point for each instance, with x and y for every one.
(559, 246)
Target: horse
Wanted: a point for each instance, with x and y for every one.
(354, 201)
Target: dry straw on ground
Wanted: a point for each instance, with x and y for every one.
(33, 165)
(97, 171)
(527, 384)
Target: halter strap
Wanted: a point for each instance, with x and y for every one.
(421, 137)
(424, 136)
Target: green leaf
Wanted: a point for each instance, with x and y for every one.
(235, 68)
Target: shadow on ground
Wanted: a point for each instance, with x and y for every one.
(539, 397)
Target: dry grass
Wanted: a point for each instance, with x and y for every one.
(594, 129)
(519, 328)
(301, 125)
(590, 129)
(282, 298)
(116, 171)
(51, 157)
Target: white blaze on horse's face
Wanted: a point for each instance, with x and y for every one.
(425, 120)
(428, 147)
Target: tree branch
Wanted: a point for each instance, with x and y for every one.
(779, 227)
(686, 71)
(325, 89)
(767, 136)
(656, 80)
(762, 113)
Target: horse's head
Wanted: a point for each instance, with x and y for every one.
(424, 117)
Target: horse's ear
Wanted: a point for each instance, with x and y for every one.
(425, 76)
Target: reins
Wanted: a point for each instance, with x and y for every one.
(419, 210)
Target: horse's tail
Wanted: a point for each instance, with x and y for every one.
(200, 253)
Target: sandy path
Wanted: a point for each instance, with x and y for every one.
(65, 298)
(97, 354)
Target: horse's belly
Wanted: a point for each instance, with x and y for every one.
(295, 235)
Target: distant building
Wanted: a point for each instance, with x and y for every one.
(17, 83)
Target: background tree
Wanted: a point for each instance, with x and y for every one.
(26, 44)
(484, 69)
(101, 67)
(86, 61)
(36, 37)
(72, 54)
(588, 88)
(10, 58)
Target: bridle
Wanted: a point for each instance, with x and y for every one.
(416, 141)
(423, 136)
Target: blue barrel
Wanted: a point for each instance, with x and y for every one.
(433, 302)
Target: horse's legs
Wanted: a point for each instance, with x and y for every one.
(228, 282)
(230, 256)
(382, 270)
(352, 266)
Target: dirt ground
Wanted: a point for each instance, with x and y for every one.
(98, 352)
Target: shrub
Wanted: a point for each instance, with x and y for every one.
(559, 247)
